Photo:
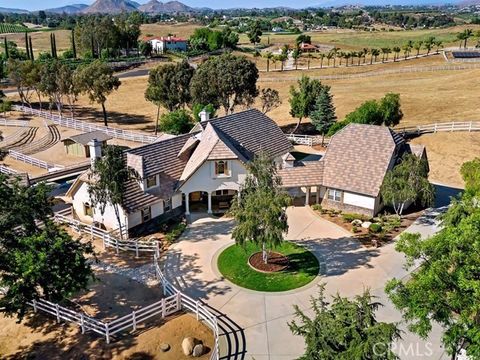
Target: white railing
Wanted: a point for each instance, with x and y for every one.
(108, 239)
(309, 140)
(442, 127)
(196, 306)
(163, 308)
(88, 127)
(19, 123)
(7, 170)
(33, 161)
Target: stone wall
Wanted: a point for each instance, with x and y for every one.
(329, 204)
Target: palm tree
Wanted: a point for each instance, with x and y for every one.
(385, 51)
(417, 46)
(468, 34)
(429, 44)
(268, 55)
(406, 50)
(347, 56)
(396, 50)
(329, 56)
(335, 52)
(274, 60)
(322, 56)
(360, 55)
(282, 58)
(353, 55)
(438, 45)
(296, 55)
(374, 54)
(365, 52)
(462, 38)
(340, 55)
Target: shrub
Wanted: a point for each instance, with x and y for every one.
(317, 207)
(347, 217)
(176, 122)
(355, 229)
(375, 228)
(175, 232)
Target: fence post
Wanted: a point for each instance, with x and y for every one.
(134, 319)
(179, 301)
(58, 313)
(35, 305)
(136, 248)
(196, 308)
(164, 310)
(103, 240)
(82, 323)
(91, 232)
(116, 243)
(107, 333)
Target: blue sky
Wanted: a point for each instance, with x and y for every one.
(215, 4)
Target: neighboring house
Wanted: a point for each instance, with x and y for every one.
(168, 43)
(204, 170)
(350, 175)
(78, 144)
(305, 47)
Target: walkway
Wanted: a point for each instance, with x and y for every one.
(258, 321)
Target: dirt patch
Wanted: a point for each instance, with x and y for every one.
(276, 262)
(39, 337)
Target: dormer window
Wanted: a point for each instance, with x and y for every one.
(221, 168)
(152, 181)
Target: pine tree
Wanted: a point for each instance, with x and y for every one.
(74, 48)
(32, 57)
(6, 47)
(323, 117)
(26, 46)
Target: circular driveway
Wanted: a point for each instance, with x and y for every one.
(256, 323)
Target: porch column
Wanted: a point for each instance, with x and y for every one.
(307, 196)
(317, 195)
(187, 204)
(209, 203)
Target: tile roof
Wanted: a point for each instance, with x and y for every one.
(358, 158)
(85, 138)
(308, 173)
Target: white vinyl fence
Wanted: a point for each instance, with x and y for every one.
(108, 239)
(195, 306)
(88, 127)
(33, 161)
(441, 127)
(7, 170)
(309, 140)
(18, 123)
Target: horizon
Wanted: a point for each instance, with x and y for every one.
(219, 4)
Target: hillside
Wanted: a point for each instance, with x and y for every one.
(68, 9)
(111, 7)
(155, 7)
(9, 11)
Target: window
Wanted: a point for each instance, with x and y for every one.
(223, 192)
(151, 181)
(87, 209)
(334, 195)
(146, 214)
(221, 168)
(167, 205)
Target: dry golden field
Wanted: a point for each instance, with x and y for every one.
(41, 40)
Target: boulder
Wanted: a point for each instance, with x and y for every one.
(357, 222)
(188, 344)
(164, 347)
(198, 350)
(366, 224)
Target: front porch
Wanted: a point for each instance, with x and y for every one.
(213, 202)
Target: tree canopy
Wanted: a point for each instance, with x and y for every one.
(446, 269)
(270, 99)
(225, 81)
(176, 122)
(36, 261)
(345, 329)
(260, 210)
(97, 81)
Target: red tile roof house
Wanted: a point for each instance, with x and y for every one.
(162, 44)
(203, 170)
(305, 47)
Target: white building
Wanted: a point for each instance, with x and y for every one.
(203, 170)
(168, 43)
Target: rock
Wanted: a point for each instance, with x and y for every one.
(198, 350)
(164, 347)
(188, 344)
(357, 222)
(366, 224)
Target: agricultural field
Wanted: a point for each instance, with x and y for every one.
(12, 28)
(41, 40)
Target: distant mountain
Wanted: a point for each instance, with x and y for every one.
(9, 11)
(156, 7)
(111, 7)
(68, 9)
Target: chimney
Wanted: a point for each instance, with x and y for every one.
(95, 151)
(204, 115)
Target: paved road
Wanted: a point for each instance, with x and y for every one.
(260, 319)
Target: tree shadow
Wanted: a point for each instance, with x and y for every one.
(90, 114)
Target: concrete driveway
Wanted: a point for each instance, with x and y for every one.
(255, 323)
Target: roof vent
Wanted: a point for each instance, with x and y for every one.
(204, 115)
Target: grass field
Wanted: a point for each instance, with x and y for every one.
(41, 40)
(303, 268)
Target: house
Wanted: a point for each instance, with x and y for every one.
(168, 43)
(204, 170)
(349, 176)
(305, 47)
(78, 144)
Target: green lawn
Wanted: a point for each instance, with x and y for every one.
(233, 264)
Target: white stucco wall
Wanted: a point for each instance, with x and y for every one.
(108, 218)
(363, 201)
(176, 200)
(204, 179)
(135, 218)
